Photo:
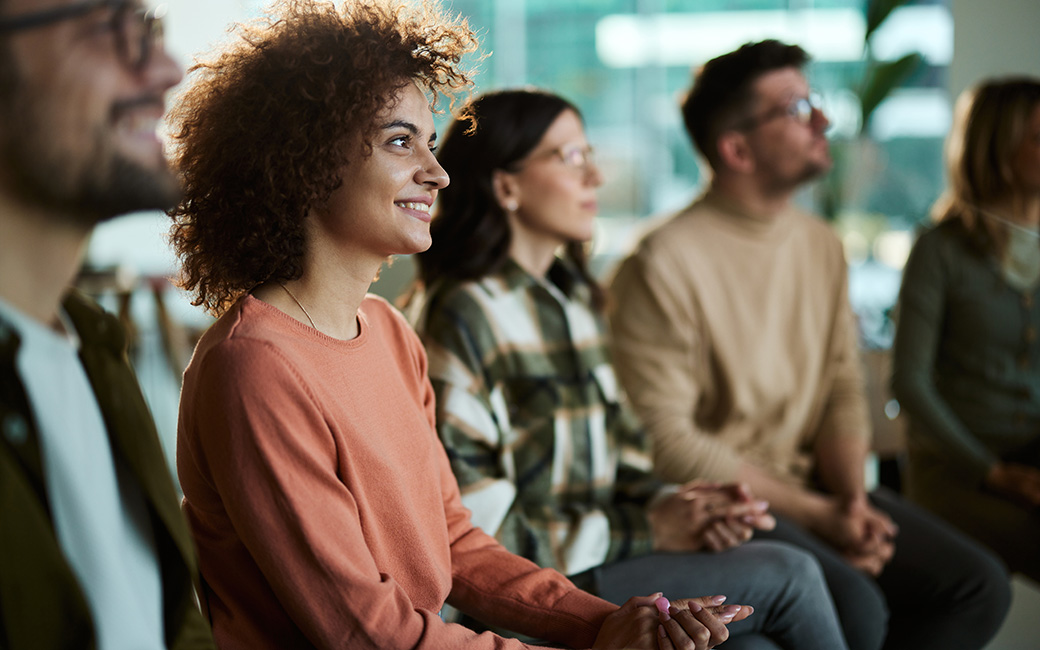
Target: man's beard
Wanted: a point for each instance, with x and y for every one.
(813, 171)
(100, 185)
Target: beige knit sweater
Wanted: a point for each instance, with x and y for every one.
(734, 338)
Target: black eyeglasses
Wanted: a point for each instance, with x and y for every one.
(800, 109)
(137, 31)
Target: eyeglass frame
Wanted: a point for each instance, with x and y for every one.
(151, 34)
(580, 158)
(800, 109)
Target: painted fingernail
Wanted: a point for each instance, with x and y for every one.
(673, 610)
(663, 606)
(718, 600)
(695, 606)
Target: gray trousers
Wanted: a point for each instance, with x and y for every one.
(785, 585)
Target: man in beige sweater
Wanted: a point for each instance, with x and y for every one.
(735, 340)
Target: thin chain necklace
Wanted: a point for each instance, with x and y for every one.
(1008, 222)
(298, 304)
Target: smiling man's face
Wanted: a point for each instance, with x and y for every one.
(78, 128)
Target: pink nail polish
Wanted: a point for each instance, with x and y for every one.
(663, 606)
(718, 600)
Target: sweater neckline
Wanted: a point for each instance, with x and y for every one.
(745, 222)
(305, 331)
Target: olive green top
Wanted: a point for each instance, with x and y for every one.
(966, 361)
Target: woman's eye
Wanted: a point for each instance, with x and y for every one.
(400, 141)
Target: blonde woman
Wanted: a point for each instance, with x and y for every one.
(967, 350)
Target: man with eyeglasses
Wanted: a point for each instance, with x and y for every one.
(94, 552)
(734, 338)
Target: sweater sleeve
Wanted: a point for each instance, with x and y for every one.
(844, 404)
(657, 341)
(918, 336)
(272, 459)
(505, 590)
(473, 423)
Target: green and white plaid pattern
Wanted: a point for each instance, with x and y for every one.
(547, 457)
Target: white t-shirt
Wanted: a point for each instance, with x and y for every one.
(99, 514)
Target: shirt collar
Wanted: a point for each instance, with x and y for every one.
(562, 273)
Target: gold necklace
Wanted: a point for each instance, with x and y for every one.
(298, 304)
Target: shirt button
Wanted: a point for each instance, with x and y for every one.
(15, 429)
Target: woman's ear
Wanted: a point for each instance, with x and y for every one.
(507, 191)
(735, 152)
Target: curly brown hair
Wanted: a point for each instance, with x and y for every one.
(266, 124)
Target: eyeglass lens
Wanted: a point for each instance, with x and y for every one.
(138, 32)
(802, 109)
(577, 157)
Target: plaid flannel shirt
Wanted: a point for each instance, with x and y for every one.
(547, 456)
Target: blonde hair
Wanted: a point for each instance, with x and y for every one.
(989, 124)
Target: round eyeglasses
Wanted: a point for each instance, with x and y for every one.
(137, 31)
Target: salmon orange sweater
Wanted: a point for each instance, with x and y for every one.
(322, 503)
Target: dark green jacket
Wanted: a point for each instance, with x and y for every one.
(41, 604)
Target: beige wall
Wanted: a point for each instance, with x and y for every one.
(993, 38)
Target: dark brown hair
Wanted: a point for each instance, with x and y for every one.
(266, 125)
(8, 74)
(988, 126)
(722, 94)
(470, 232)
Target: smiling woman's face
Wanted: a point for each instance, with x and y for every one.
(383, 206)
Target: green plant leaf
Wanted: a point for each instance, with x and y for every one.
(877, 12)
(880, 79)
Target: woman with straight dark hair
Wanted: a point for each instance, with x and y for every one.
(548, 457)
(966, 361)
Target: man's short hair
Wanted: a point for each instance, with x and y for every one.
(722, 94)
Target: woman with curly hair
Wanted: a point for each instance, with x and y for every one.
(322, 504)
(966, 359)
